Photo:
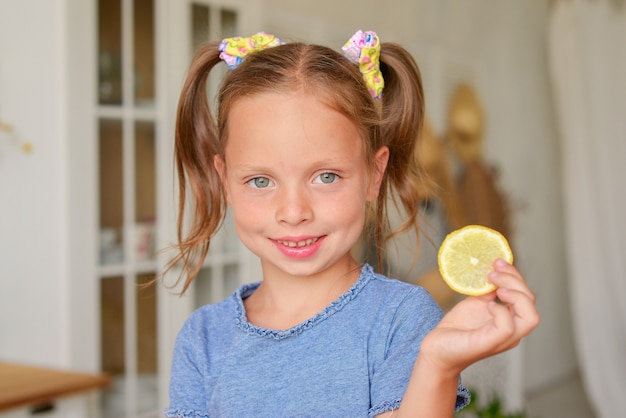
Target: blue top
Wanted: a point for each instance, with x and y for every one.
(353, 359)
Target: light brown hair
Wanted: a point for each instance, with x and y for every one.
(395, 122)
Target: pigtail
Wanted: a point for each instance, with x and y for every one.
(402, 120)
(196, 142)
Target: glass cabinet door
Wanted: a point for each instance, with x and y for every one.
(127, 206)
(137, 318)
(221, 273)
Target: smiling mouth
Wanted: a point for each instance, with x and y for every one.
(298, 244)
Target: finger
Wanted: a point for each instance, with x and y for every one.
(522, 309)
(508, 281)
(502, 318)
(510, 325)
(502, 265)
(504, 333)
(507, 276)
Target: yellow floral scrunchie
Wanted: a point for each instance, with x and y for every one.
(234, 50)
(364, 49)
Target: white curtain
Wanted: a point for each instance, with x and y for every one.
(587, 53)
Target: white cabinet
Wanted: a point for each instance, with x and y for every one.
(138, 58)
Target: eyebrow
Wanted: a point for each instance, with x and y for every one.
(319, 163)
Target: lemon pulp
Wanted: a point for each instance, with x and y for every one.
(466, 258)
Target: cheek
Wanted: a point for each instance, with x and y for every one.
(247, 212)
(348, 211)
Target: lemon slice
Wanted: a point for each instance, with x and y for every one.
(466, 258)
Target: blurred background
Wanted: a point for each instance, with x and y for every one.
(525, 132)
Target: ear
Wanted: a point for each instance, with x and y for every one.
(381, 158)
(220, 167)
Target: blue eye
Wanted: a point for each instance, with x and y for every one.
(327, 178)
(260, 182)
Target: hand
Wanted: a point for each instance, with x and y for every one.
(479, 326)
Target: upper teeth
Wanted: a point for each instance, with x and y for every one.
(302, 243)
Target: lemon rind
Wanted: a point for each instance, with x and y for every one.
(447, 277)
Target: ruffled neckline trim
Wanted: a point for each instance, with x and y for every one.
(334, 307)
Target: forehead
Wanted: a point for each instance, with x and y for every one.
(289, 125)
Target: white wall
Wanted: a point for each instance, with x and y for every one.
(506, 40)
(503, 46)
(32, 202)
(523, 141)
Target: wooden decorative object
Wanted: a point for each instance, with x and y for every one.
(479, 196)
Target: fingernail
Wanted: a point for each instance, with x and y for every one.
(500, 262)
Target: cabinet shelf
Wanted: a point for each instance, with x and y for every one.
(145, 113)
(118, 269)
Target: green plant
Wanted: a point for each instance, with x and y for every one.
(492, 409)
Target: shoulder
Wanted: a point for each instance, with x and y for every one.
(403, 306)
(386, 306)
(208, 332)
(218, 319)
(397, 294)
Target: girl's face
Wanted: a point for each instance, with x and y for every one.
(296, 177)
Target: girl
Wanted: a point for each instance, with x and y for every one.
(305, 147)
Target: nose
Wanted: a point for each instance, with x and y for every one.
(293, 205)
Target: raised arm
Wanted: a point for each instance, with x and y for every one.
(476, 328)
